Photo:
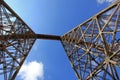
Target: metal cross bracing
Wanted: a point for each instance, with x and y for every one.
(16, 40)
(93, 47)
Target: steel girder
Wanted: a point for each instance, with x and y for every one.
(13, 51)
(93, 47)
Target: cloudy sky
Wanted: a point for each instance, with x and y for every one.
(105, 1)
(47, 59)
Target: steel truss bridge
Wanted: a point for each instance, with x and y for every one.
(93, 47)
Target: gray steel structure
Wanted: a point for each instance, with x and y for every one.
(93, 47)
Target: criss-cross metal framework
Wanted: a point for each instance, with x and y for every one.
(13, 52)
(93, 47)
(16, 40)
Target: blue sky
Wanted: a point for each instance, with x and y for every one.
(53, 17)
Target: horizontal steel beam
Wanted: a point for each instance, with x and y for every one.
(48, 37)
(30, 36)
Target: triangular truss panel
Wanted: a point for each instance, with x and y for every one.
(13, 51)
(93, 47)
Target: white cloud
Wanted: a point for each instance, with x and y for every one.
(32, 71)
(108, 1)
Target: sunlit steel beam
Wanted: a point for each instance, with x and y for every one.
(93, 47)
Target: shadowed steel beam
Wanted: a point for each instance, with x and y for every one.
(30, 36)
(48, 37)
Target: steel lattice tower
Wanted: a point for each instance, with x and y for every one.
(93, 47)
(16, 40)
